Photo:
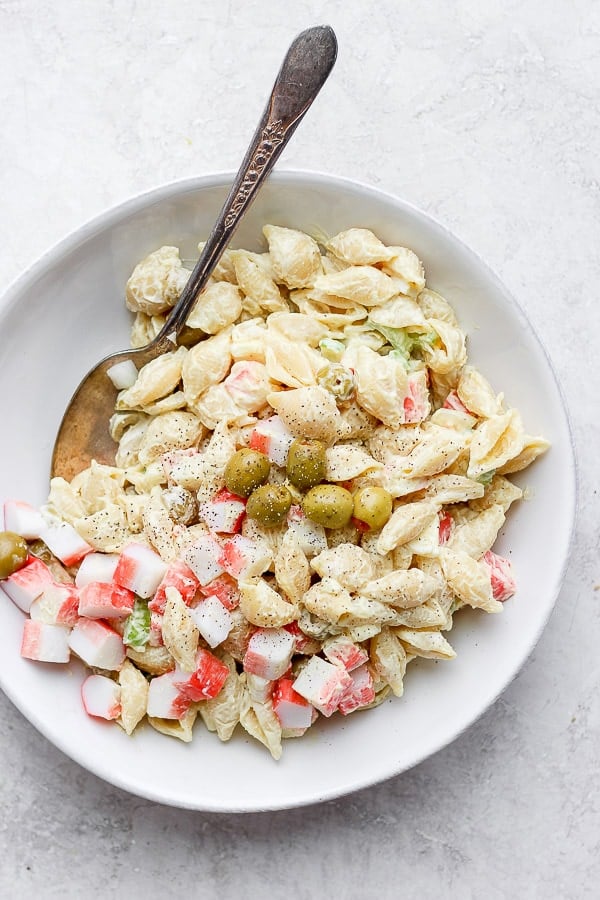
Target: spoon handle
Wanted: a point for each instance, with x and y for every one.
(303, 73)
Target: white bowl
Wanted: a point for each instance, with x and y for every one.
(67, 311)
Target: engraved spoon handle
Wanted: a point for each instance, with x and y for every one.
(303, 73)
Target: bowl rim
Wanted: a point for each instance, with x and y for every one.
(109, 217)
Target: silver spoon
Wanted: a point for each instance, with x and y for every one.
(83, 434)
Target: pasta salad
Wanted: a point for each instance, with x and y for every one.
(305, 492)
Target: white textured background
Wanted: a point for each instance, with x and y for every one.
(484, 113)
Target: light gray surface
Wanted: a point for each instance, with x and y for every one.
(484, 114)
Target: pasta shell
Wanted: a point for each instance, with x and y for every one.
(295, 256)
(477, 395)
(388, 658)
(179, 633)
(469, 580)
(406, 266)
(346, 461)
(292, 571)
(478, 535)
(134, 696)
(404, 589)
(222, 713)
(265, 607)
(348, 564)
(434, 306)
(495, 441)
(355, 285)
(218, 306)
(169, 431)
(405, 523)
(177, 728)
(309, 412)
(156, 379)
(381, 384)
(206, 364)
(428, 644)
(358, 247)
(156, 282)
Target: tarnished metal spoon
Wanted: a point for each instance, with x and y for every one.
(83, 434)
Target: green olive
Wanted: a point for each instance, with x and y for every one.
(245, 471)
(306, 463)
(373, 506)
(269, 504)
(13, 553)
(329, 505)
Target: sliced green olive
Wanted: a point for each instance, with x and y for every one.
(373, 506)
(329, 505)
(245, 471)
(181, 504)
(13, 553)
(306, 463)
(338, 380)
(269, 504)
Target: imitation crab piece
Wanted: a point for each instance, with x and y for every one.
(212, 620)
(292, 710)
(98, 600)
(23, 519)
(58, 604)
(416, 401)
(308, 536)
(344, 652)
(155, 638)
(140, 570)
(302, 641)
(96, 567)
(206, 680)
(204, 559)
(44, 642)
(97, 645)
(27, 584)
(223, 514)
(269, 653)
(63, 541)
(178, 576)
(171, 695)
(361, 692)
(271, 437)
(453, 401)
(164, 699)
(445, 528)
(101, 697)
(501, 575)
(123, 375)
(244, 558)
(225, 588)
(247, 385)
(323, 684)
(260, 689)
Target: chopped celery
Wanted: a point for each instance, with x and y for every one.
(137, 625)
(411, 365)
(403, 341)
(331, 349)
